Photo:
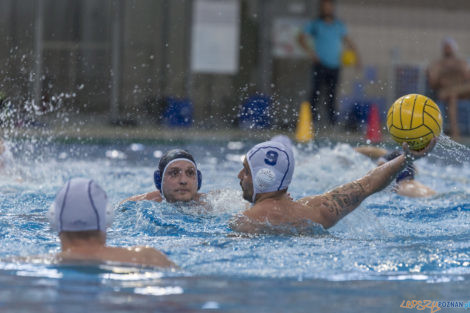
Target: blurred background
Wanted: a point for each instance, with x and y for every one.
(212, 64)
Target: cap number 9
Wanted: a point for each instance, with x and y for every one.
(271, 157)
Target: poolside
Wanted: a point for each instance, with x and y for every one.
(98, 127)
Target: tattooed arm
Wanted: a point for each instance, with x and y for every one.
(337, 203)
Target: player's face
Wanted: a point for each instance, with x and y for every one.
(327, 8)
(448, 50)
(246, 182)
(180, 182)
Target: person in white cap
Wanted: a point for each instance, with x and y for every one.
(267, 172)
(80, 215)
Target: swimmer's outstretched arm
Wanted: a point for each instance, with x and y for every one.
(337, 203)
(371, 152)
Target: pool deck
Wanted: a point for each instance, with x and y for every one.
(98, 128)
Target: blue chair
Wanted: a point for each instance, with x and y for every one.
(178, 113)
(255, 112)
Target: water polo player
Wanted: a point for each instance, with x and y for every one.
(405, 182)
(177, 179)
(267, 172)
(80, 215)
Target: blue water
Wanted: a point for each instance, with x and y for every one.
(388, 250)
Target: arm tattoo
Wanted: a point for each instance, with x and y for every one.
(344, 199)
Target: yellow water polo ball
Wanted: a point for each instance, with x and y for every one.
(414, 119)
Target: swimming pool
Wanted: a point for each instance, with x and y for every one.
(391, 249)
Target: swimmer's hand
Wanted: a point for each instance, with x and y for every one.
(412, 155)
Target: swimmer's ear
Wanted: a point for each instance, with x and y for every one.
(52, 218)
(109, 215)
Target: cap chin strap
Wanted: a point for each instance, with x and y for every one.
(164, 171)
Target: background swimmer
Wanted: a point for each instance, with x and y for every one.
(406, 185)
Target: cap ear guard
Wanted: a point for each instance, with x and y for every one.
(199, 179)
(264, 178)
(157, 179)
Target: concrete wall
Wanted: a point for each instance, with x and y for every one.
(78, 46)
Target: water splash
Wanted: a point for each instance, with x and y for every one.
(450, 152)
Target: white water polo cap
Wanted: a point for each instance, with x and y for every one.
(272, 166)
(80, 205)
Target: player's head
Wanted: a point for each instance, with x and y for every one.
(177, 176)
(267, 167)
(449, 47)
(326, 9)
(80, 207)
(286, 141)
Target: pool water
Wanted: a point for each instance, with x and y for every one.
(388, 250)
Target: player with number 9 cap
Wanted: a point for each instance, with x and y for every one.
(267, 172)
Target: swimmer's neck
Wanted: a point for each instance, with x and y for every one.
(82, 244)
(274, 195)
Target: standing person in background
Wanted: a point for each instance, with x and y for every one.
(328, 34)
(447, 76)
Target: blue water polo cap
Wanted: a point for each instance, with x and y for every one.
(170, 157)
(272, 166)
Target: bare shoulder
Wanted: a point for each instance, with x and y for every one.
(151, 196)
(146, 251)
(151, 256)
(261, 211)
(327, 209)
(317, 206)
(414, 189)
(252, 220)
(371, 152)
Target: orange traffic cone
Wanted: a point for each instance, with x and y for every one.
(373, 125)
